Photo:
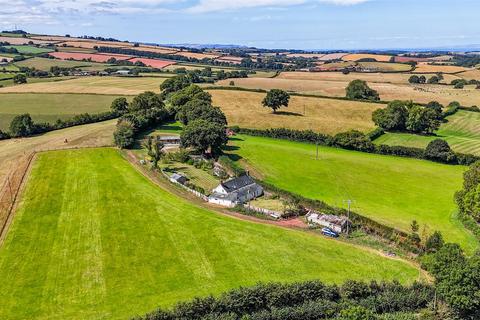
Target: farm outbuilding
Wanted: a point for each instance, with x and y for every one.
(235, 191)
(170, 140)
(335, 223)
(178, 178)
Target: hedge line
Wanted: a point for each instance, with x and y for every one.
(309, 136)
(296, 94)
(84, 118)
(303, 301)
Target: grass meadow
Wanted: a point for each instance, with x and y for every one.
(94, 85)
(30, 49)
(330, 116)
(45, 64)
(391, 190)
(50, 107)
(94, 239)
(335, 87)
(462, 132)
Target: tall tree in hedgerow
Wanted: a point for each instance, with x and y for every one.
(359, 90)
(22, 126)
(276, 99)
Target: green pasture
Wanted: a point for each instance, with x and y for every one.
(94, 239)
(44, 107)
(30, 49)
(45, 64)
(462, 132)
(391, 190)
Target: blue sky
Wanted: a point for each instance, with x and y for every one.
(297, 24)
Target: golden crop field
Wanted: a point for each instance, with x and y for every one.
(469, 75)
(429, 68)
(401, 78)
(155, 49)
(92, 44)
(20, 41)
(329, 116)
(333, 56)
(385, 66)
(195, 55)
(359, 56)
(306, 55)
(95, 85)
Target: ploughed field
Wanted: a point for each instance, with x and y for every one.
(462, 132)
(50, 107)
(94, 239)
(391, 190)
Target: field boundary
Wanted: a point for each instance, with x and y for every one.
(11, 191)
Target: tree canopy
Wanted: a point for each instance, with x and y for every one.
(203, 135)
(275, 99)
(22, 126)
(359, 90)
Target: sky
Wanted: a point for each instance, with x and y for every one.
(289, 24)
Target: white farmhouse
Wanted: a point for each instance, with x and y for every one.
(235, 191)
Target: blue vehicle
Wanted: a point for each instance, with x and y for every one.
(329, 233)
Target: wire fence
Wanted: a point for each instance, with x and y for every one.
(10, 190)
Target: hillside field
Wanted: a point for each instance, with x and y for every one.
(94, 239)
(45, 64)
(50, 107)
(391, 190)
(94, 85)
(244, 109)
(30, 49)
(423, 93)
(462, 132)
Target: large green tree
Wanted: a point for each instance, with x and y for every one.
(124, 135)
(203, 135)
(275, 99)
(119, 105)
(145, 101)
(393, 117)
(359, 90)
(439, 150)
(422, 120)
(468, 199)
(22, 126)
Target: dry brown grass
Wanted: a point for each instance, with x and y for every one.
(322, 115)
(429, 68)
(92, 44)
(333, 56)
(400, 78)
(95, 85)
(90, 135)
(20, 41)
(471, 74)
(385, 66)
(195, 55)
(388, 91)
(358, 56)
(160, 50)
(306, 55)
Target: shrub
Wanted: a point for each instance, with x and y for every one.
(22, 126)
(124, 135)
(359, 90)
(439, 150)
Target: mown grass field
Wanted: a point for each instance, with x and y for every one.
(390, 190)
(30, 49)
(45, 64)
(50, 107)
(462, 132)
(330, 116)
(94, 239)
(94, 85)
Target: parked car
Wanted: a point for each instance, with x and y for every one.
(329, 233)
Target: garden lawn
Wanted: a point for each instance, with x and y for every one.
(50, 107)
(462, 132)
(391, 190)
(95, 239)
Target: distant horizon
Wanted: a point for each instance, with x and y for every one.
(270, 24)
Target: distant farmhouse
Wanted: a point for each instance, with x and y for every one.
(235, 191)
(334, 223)
(170, 141)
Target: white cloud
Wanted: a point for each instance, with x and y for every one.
(221, 5)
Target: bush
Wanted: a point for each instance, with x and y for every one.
(439, 150)
(353, 140)
(22, 126)
(359, 90)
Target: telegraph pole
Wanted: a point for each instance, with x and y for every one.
(349, 202)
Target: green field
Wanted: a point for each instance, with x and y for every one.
(391, 190)
(45, 64)
(94, 239)
(462, 132)
(50, 107)
(30, 49)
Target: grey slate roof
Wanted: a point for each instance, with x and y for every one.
(237, 183)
